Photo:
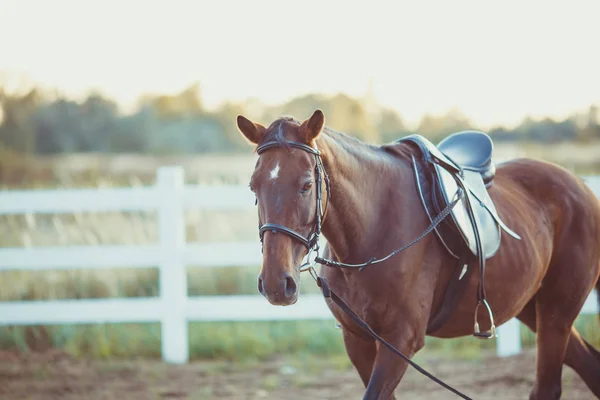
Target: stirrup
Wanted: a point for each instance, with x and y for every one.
(492, 332)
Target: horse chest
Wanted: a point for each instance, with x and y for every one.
(369, 304)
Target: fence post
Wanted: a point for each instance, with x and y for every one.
(172, 270)
(508, 342)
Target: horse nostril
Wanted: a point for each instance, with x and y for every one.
(290, 286)
(261, 288)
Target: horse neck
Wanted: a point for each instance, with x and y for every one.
(357, 173)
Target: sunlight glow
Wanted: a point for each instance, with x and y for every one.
(496, 62)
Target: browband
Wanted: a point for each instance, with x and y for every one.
(266, 146)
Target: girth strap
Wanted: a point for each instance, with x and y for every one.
(454, 293)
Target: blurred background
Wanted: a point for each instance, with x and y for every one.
(100, 94)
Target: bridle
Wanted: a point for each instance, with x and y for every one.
(312, 241)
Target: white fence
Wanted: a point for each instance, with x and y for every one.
(172, 308)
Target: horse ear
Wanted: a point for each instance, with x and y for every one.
(253, 132)
(314, 125)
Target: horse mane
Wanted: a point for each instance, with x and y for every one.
(275, 133)
(399, 149)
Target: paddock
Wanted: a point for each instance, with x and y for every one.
(55, 375)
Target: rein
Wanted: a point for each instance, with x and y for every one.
(312, 244)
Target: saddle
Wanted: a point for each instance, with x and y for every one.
(460, 169)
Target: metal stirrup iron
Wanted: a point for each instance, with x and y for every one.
(492, 332)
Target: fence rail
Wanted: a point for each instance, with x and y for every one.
(169, 197)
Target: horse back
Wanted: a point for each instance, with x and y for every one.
(545, 189)
(554, 210)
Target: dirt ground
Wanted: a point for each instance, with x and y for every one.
(56, 375)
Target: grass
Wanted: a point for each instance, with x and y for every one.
(239, 341)
(235, 341)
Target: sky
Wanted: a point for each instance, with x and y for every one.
(495, 61)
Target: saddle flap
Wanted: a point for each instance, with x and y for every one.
(476, 173)
(486, 223)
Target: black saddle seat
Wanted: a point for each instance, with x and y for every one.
(471, 150)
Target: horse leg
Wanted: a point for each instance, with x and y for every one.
(361, 352)
(585, 360)
(389, 368)
(580, 355)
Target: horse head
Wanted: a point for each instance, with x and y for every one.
(287, 181)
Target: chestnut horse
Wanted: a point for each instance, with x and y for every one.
(542, 279)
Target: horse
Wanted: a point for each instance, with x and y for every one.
(371, 207)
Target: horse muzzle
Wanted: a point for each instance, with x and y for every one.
(280, 291)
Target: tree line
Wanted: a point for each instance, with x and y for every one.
(37, 122)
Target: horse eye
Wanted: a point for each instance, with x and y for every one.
(306, 187)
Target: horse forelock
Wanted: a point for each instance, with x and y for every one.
(276, 131)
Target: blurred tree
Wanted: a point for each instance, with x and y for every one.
(187, 103)
(32, 122)
(436, 128)
(592, 130)
(299, 107)
(2, 97)
(547, 130)
(348, 115)
(17, 129)
(226, 116)
(342, 113)
(190, 135)
(390, 127)
(67, 126)
(502, 134)
(99, 117)
(134, 133)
